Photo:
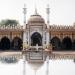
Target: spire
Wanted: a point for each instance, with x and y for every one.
(24, 9)
(48, 9)
(24, 12)
(48, 13)
(36, 11)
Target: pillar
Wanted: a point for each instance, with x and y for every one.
(24, 39)
(47, 38)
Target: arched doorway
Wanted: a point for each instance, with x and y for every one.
(56, 43)
(17, 44)
(36, 39)
(5, 43)
(66, 43)
(73, 45)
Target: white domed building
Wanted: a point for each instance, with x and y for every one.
(57, 40)
(36, 31)
(36, 36)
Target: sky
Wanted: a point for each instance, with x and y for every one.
(62, 12)
(56, 67)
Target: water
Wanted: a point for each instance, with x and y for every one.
(56, 67)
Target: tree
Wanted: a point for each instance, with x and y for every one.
(9, 22)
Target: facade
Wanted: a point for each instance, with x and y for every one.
(59, 40)
(36, 42)
(37, 32)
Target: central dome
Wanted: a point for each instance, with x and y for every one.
(35, 19)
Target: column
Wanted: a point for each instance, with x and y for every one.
(10, 39)
(47, 38)
(24, 39)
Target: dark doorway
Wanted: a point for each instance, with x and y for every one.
(5, 43)
(73, 45)
(17, 44)
(66, 43)
(56, 43)
(36, 39)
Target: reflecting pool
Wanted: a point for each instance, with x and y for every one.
(56, 67)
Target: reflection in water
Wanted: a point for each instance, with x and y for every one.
(56, 67)
(8, 60)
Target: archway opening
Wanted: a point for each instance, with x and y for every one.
(56, 43)
(17, 44)
(66, 43)
(5, 43)
(73, 45)
(36, 39)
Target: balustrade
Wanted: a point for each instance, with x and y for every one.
(3, 27)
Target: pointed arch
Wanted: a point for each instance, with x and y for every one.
(56, 43)
(17, 43)
(36, 38)
(5, 43)
(66, 43)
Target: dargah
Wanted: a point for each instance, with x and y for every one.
(37, 41)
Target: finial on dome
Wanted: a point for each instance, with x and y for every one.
(36, 11)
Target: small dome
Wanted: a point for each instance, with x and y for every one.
(36, 19)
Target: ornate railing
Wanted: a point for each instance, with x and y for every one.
(52, 27)
(62, 27)
(3, 27)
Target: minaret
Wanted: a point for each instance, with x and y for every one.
(24, 12)
(24, 41)
(48, 22)
(48, 14)
(24, 33)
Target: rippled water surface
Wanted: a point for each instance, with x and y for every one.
(56, 67)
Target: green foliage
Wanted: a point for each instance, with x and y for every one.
(9, 22)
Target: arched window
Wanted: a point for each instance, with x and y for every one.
(56, 43)
(5, 43)
(17, 43)
(36, 39)
(66, 43)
